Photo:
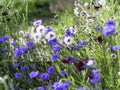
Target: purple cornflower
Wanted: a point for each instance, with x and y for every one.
(73, 59)
(23, 49)
(94, 76)
(51, 70)
(44, 76)
(57, 48)
(55, 57)
(27, 35)
(83, 43)
(13, 43)
(30, 44)
(3, 39)
(48, 30)
(16, 64)
(68, 33)
(109, 29)
(18, 75)
(63, 73)
(17, 52)
(98, 28)
(53, 42)
(24, 68)
(115, 47)
(41, 88)
(33, 74)
(61, 85)
(37, 23)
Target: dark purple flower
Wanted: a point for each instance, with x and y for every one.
(37, 23)
(33, 74)
(18, 75)
(30, 44)
(51, 70)
(57, 48)
(55, 57)
(63, 73)
(66, 60)
(115, 47)
(4, 13)
(44, 76)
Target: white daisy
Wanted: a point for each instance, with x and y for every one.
(41, 30)
(73, 30)
(50, 36)
(68, 40)
(37, 37)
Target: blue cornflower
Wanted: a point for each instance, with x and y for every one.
(34, 74)
(98, 28)
(51, 70)
(73, 59)
(109, 29)
(41, 88)
(23, 49)
(3, 39)
(68, 33)
(63, 73)
(115, 47)
(53, 42)
(61, 86)
(44, 76)
(83, 43)
(55, 57)
(110, 22)
(48, 30)
(57, 48)
(24, 68)
(18, 75)
(17, 52)
(30, 44)
(94, 76)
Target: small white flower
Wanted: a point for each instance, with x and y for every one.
(91, 21)
(77, 3)
(90, 63)
(41, 30)
(102, 2)
(37, 37)
(73, 30)
(68, 40)
(119, 73)
(113, 56)
(76, 11)
(86, 4)
(84, 14)
(50, 36)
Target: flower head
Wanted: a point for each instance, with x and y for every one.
(3, 39)
(33, 74)
(50, 35)
(37, 23)
(44, 76)
(18, 75)
(55, 57)
(115, 47)
(27, 35)
(30, 44)
(41, 30)
(63, 73)
(68, 40)
(51, 70)
(57, 48)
